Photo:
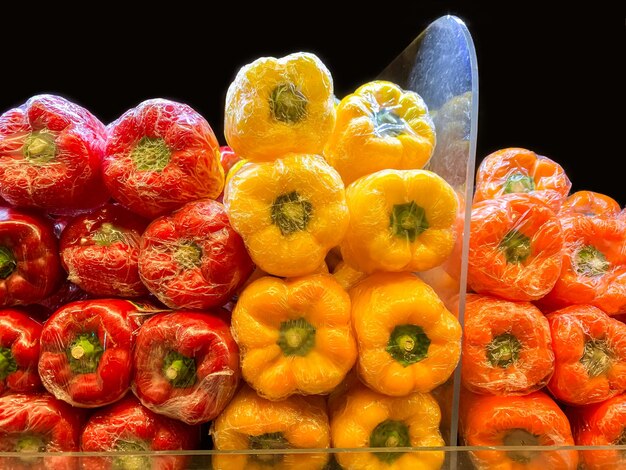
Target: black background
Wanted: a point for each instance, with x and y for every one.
(551, 82)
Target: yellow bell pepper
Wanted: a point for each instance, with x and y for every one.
(290, 212)
(252, 422)
(380, 126)
(347, 276)
(363, 418)
(277, 106)
(400, 220)
(294, 335)
(407, 340)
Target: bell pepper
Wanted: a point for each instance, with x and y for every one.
(100, 252)
(407, 340)
(127, 426)
(590, 351)
(400, 220)
(362, 418)
(380, 126)
(68, 292)
(19, 352)
(515, 248)
(347, 276)
(38, 422)
(228, 158)
(517, 170)
(590, 204)
(86, 351)
(507, 347)
(601, 424)
(290, 212)
(294, 335)
(51, 156)
(29, 261)
(186, 365)
(252, 422)
(594, 265)
(160, 156)
(193, 258)
(278, 106)
(529, 420)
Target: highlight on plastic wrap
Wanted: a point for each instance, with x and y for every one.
(228, 158)
(507, 347)
(86, 351)
(379, 127)
(252, 422)
(186, 365)
(193, 259)
(590, 351)
(517, 170)
(290, 212)
(407, 340)
(295, 335)
(19, 352)
(100, 252)
(279, 106)
(590, 204)
(161, 155)
(51, 156)
(360, 417)
(400, 220)
(515, 250)
(30, 269)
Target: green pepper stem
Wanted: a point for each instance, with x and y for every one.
(519, 183)
(131, 462)
(589, 261)
(179, 370)
(520, 437)
(7, 363)
(84, 353)
(296, 338)
(8, 263)
(388, 124)
(108, 234)
(188, 255)
(288, 104)
(39, 147)
(408, 221)
(390, 433)
(291, 213)
(269, 440)
(30, 444)
(151, 154)
(503, 350)
(408, 344)
(516, 247)
(597, 357)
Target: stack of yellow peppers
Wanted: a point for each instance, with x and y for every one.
(344, 179)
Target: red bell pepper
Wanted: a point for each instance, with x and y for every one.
(100, 252)
(161, 155)
(228, 158)
(86, 350)
(193, 258)
(68, 292)
(38, 423)
(127, 426)
(51, 156)
(29, 262)
(186, 365)
(19, 352)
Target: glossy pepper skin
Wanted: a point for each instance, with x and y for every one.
(38, 423)
(400, 220)
(29, 261)
(277, 106)
(507, 347)
(590, 204)
(161, 155)
(360, 417)
(379, 127)
(86, 351)
(19, 352)
(51, 156)
(127, 426)
(100, 252)
(290, 212)
(530, 420)
(407, 340)
(228, 158)
(295, 335)
(193, 258)
(252, 422)
(186, 365)
(590, 351)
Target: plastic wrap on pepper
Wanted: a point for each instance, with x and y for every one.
(30, 269)
(19, 352)
(161, 155)
(127, 426)
(590, 204)
(86, 351)
(51, 156)
(193, 258)
(100, 252)
(252, 422)
(290, 212)
(186, 365)
(295, 335)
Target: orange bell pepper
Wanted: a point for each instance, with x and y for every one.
(590, 352)
(517, 170)
(515, 247)
(507, 348)
(590, 204)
